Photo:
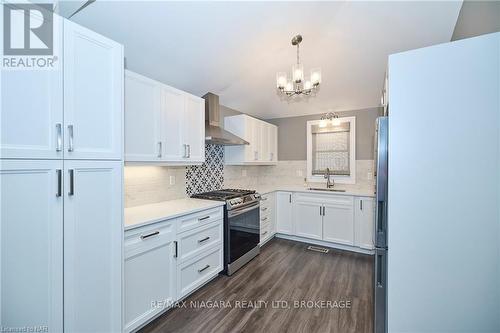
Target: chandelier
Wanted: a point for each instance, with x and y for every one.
(298, 84)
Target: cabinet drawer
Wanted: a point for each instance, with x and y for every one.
(194, 273)
(144, 238)
(194, 242)
(265, 219)
(195, 220)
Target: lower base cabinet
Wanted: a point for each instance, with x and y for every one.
(61, 245)
(267, 217)
(166, 261)
(150, 273)
(336, 219)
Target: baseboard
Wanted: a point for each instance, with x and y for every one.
(326, 244)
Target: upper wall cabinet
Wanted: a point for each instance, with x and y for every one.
(93, 94)
(262, 136)
(163, 125)
(36, 123)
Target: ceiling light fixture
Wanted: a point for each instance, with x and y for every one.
(332, 117)
(298, 84)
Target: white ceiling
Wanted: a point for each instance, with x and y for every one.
(234, 49)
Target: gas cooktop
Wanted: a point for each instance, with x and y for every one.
(223, 195)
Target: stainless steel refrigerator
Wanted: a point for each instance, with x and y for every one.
(380, 267)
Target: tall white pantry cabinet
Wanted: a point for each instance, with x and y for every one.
(61, 179)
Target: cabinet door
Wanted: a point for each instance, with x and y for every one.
(284, 222)
(93, 232)
(194, 128)
(31, 243)
(256, 139)
(364, 222)
(264, 152)
(150, 272)
(172, 117)
(142, 118)
(93, 94)
(308, 220)
(32, 111)
(273, 143)
(338, 224)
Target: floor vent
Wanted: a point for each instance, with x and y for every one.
(317, 249)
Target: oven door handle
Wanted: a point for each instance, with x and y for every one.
(236, 212)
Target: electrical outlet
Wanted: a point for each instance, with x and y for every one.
(172, 180)
(244, 173)
(298, 173)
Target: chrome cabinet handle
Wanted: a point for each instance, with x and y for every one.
(264, 219)
(290, 198)
(264, 209)
(59, 137)
(185, 150)
(255, 157)
(189, 151)
(204, 218)
(204, 268)
(143, 237)
(176, 249)
(360, 204)
(159, 149)
(59, 182)
(263, 198)
(71, 182)
(264, 233)
(70, 136)
(203, 240)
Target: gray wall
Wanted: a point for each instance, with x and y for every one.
(292, 134)
(477, 18)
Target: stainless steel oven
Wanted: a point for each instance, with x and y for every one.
(241, 225)
(243, 232)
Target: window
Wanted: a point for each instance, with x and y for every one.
(331, 145)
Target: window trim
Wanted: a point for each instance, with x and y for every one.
(351, 179)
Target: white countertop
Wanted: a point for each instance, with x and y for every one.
(152, 213)
(351, 190)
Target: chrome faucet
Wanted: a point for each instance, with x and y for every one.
(329, 182)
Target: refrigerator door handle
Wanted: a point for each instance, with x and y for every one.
(380, 315)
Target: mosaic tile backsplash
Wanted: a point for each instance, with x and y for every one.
(210, 175)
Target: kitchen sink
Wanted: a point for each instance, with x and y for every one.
(325, 189)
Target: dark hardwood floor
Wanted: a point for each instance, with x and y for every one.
(284, 271)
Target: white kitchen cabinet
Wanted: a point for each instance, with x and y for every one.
(194, 128)
(73, 111)
(31, 243)
(172, 147)
(150, 272)
(93, 95)
(193, 273)
(162, 124)
(32, 114)
(364, 218)
(284, 221)
(308, 219)
(261, 135)
(338, 222)
(93, 232)
(267, 217)
(273, 143)
(143, 118)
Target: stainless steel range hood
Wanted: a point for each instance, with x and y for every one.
(213, 132)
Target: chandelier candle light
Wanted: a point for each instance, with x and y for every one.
(298, 85)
